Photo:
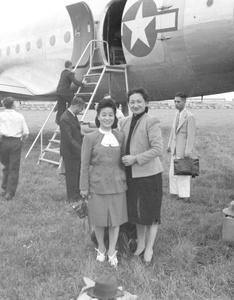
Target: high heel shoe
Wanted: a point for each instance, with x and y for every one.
(140, 254)
(148, 258)
(113, 261)
(100, 256)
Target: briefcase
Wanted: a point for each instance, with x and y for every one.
(186, 167)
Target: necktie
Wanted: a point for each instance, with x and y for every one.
(177, 121)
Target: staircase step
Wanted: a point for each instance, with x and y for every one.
(90, 83)
(54, 141)
(83, 94)
(50, 161)
(97, 68)
(92, 75)
(56, 151)
(111, 70)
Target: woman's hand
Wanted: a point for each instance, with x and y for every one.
(129, 160)
(84, 193)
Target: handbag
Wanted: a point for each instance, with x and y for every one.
(186, 167)
(81, 208)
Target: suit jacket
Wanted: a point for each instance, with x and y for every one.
(182, 139)
(102, 171)
(71, 137)
(65, 81)
(146, 144)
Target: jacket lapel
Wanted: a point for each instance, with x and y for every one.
(73, 119)
(182, 119)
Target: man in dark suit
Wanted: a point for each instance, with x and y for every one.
(70, 146)
(64, 94)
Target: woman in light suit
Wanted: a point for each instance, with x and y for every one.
(143, 147)
(103, 179)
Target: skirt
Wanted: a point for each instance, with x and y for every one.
(108, 210)
(144, 199)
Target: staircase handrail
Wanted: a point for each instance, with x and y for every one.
(41, 130)
(91, 57)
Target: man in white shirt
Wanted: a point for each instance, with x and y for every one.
(180, 145)
(13, 132)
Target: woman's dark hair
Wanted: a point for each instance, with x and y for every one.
(103, 104)
(143, 93)
(138, 91)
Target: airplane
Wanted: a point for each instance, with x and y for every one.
(166, 45)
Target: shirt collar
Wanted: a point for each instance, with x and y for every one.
(71, 112)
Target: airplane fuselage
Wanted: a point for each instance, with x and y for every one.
(167, 45)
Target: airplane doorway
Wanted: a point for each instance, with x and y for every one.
(112, 32)
(83, 31)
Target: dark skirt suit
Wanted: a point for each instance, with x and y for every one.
(144, 178)
(102, 173)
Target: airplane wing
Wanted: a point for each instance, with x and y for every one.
(8, 85)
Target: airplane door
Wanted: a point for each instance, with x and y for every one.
(141, 30)
(83, 30)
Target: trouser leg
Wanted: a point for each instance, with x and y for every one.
(5, 171)
(14, 167)
(10, 158)
(63, 102)
(173, 179)
(72, 175)
(179, 185)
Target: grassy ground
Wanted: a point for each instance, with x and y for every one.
(45, 250)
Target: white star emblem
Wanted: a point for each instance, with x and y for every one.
(138, 26)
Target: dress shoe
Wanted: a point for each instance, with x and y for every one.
(141, 254)
(148, 255)
(8, 197)
(185, 199)
(113, 261)
(100, 256)
(174, 197)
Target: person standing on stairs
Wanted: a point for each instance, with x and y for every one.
(64, 94)
(70, 147)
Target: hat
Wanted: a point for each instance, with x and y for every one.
(230, 209)
(105, 288)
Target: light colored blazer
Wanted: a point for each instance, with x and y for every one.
(102, 170)
(181, 141)
(146, 144)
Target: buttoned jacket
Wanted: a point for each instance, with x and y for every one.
(102, 171)
(65, 81)
(146, 145)
(71, 137)
(181, 140)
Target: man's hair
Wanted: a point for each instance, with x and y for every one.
(78, 101)
(141, 91)
(68, 63)
(182, 95)
(8, 102)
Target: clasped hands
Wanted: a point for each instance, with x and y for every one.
(128, 160)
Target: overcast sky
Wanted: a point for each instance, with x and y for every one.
(17, 13)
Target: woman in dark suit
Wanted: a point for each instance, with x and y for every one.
(143, 147)
(103, 179)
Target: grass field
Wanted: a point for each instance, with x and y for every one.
(45, 250)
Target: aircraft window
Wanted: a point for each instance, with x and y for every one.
(39, 43)
(8, 51)
(28, 46)
(52, 40)
(17, 48)
(67, 37)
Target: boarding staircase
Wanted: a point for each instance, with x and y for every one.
(92, 81)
